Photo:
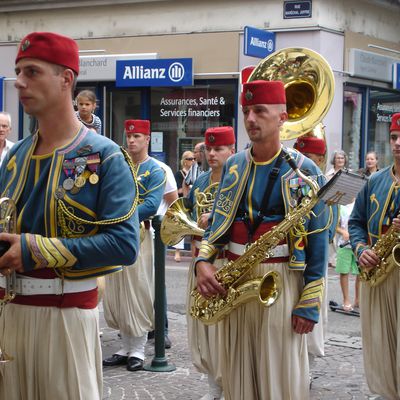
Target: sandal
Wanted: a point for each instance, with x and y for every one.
(347, 307)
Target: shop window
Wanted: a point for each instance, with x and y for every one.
(182, 115)
(120, 106)
(382, 104)
(352, 127)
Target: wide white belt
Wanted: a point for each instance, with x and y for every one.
(26, 286)
(279, 251)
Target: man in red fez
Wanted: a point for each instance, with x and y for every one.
(204, 340)
(129, 297)
(313, 148)
(376, 210)
(258, 189)
(76, 200)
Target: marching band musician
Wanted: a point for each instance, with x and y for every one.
(204, 340)
(129, 295)
(75, 221)
(264, 353)
(376, 209)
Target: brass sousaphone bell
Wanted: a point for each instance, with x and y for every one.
(309, 87)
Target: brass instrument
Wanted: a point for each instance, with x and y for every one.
(205, 200)
(8, 216)
(232, 275)
(178, 222)
(387, 248)
(309, 87)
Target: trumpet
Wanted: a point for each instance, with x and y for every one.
(8, 213)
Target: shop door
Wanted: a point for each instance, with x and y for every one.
(121, 105)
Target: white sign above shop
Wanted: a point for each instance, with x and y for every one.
(370, 65)
(103, 68)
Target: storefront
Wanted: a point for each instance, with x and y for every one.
(179, 114)
(368, 103)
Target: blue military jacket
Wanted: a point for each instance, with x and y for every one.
(308, 252)
(376, 204)
(151, 182)
(80, 232)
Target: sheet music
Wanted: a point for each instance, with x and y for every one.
(342, 188)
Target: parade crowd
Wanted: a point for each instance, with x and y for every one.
(76, 212)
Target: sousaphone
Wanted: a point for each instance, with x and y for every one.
(309, 86)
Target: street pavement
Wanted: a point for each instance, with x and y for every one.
(336, 376)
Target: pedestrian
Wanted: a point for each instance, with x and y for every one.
(338, 161)
(264, 350)
(198, 167)
(5, 130)
(204, 341)
(375, 211)
(86, 103)
(129, 296)
(371, 164)
(186, 163)
(75, 197)
(345, 260)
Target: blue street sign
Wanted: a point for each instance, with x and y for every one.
(396, 76)
(258, 43)
(297, 9)
(160, 72)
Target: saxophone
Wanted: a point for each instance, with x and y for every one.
(267, 288)
(387, 248)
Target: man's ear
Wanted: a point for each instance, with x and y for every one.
(68, 77)
(283, 116)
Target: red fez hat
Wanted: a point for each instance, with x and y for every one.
(137, 126)
(395, 125)
(50, 47)
(310, 144)
(246, 72)
(263, 92)
(220, 136)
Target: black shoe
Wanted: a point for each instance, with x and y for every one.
(167, 342)
(150, 335)
(134, 364)
(115, 359)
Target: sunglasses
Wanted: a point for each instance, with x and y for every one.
(189, 158)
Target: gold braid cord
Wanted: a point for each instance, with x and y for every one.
(62, 209)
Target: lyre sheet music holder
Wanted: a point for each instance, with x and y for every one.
(342, 188)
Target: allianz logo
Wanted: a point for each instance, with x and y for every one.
(256, 42)
(174, 73)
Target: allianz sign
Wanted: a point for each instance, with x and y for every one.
(160, 72)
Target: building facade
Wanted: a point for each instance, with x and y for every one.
(359, 39)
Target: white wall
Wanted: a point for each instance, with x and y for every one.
(165, 17)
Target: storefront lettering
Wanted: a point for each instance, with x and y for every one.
(384, 111)
(139, 72)
(187, 107)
